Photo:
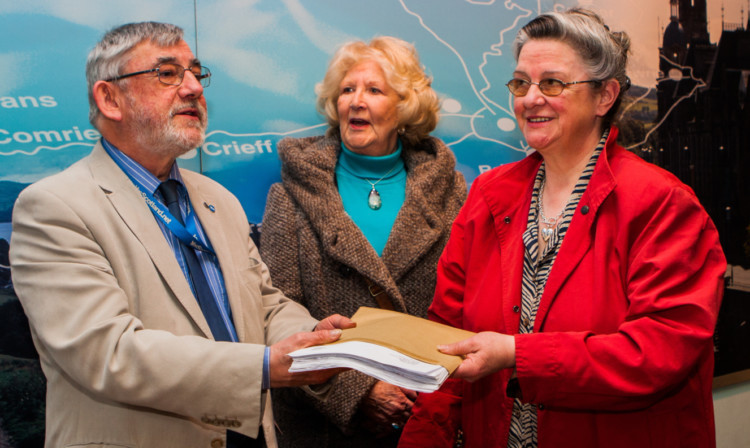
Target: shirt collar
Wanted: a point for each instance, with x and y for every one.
(136, 170)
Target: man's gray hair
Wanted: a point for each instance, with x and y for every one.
(110, 55)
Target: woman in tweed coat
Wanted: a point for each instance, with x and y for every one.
(362, 214)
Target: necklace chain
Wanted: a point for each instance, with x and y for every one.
(384, 176)
(550, 224)
(547, 221)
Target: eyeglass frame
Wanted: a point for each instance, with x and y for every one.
(541, 89)
(200, 77)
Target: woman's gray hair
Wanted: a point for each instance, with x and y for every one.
(419, 105)
(604, 53)
(110, 55)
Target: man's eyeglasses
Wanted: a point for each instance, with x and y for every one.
(549, 86)
(173, 74)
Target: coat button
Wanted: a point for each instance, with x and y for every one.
(585, 209)
(516, 308)
(507, 220)
(540, 406)
(217, 443)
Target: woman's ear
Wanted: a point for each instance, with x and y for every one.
(108, 99)
(608, 95)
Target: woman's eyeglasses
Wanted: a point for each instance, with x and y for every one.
(549, 86)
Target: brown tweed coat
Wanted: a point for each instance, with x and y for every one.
(318, 256)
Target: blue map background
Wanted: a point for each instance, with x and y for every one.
(266, 57)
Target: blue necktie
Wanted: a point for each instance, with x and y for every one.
(201, 289)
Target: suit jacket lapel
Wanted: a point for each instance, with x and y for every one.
(417, 228)
(213, 223)
(126, 199)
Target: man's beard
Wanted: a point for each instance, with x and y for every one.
(159, 134)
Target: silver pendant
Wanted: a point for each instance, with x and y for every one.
(373, 199)
(547, 233)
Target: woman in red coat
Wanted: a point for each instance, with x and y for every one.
(592, 278)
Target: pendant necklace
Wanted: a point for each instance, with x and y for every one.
(547, 226)
(373, 198)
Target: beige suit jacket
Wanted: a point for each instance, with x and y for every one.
(128, 356)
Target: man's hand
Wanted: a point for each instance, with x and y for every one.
(335, 321)
(484, 353)
(327, 330)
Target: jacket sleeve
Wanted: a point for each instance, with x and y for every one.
(278, 243)
(673, 286)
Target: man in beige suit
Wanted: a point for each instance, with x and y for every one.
(109, 280)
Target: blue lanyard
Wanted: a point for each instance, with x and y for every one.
(187, 234)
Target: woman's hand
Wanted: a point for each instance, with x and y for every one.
(484, 353)
(387, 407)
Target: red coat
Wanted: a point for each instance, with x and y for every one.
(622, 353)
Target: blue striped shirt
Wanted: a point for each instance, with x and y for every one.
(208, 261)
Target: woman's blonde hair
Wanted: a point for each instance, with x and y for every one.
(418, 106)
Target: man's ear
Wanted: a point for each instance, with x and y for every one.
(608, 95)
(108, 99)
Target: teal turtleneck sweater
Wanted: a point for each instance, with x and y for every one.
(353, 171)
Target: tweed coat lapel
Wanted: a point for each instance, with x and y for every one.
(419, 224)
(136, 216)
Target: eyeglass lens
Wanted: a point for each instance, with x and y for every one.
(173, 74)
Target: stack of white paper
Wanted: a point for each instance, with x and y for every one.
(377, 361)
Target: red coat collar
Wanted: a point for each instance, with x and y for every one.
(507, 188)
